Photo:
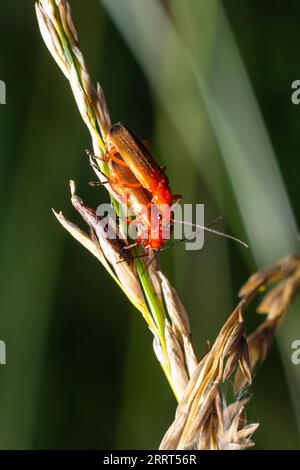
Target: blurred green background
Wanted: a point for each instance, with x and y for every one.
(209, 83)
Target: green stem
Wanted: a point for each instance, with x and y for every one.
(155, 305)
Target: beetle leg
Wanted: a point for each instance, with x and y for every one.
(115, 183)
(94, 184)
(112, 155)
(131, 185)
(95, 157)
(128, 247)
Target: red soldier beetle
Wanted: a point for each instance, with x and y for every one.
(128, 190)
(135, 175)
(122, 141)
(126, 150)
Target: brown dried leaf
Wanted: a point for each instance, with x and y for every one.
(233, 409)
(112, 249)
(244, 361)
(172, 436)
(190, 356)
(231, 364)
(177, 363)
(175, 308)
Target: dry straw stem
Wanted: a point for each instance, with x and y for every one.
(274, 305)
(203, 420)
(146, 288)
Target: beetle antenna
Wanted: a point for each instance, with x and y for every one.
(177, 242)
(208, 229)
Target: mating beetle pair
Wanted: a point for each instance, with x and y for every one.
(135, 177)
